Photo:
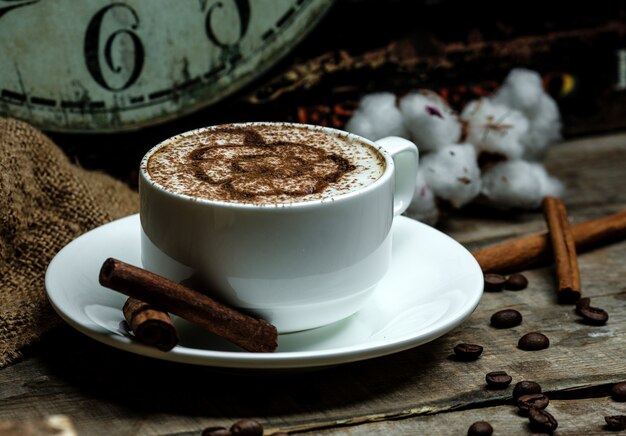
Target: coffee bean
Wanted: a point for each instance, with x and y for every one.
(516, 282)
(468, 351)
(618, 392)
(507, 318)
(216, 431)
(480, 428)
(533, 341)
(494, 282)
(247, 427)
(582, 302)
(540, 420)
(526, 387)
(593, 315)
(498, 379)
(616, 422)
(532, 401)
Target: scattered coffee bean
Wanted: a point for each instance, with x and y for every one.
(526, 387)
(532, 401)
(618, 392)
(593, 315)
(494, 282)
(540, 420)
(480, 428)
(247, 427)
(533, 341)
(582, 302)
(216, 431)
(498, 379)
(516, 282)
(468, 351)
(507, 318)
(616, 422)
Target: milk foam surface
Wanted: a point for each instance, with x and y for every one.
(264, 164)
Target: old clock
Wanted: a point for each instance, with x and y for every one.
(104, 66)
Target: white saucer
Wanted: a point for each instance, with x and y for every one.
(433, 285)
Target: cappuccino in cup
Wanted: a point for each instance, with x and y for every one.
(264, 165)
(289, 222)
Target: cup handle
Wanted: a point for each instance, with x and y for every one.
(405, 159)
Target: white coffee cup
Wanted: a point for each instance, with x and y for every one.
(301, 265)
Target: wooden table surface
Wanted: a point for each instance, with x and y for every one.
(418, 391)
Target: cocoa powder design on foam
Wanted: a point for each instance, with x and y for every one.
(264, 164)
(261, 168)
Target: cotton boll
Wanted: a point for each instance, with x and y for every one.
(522, 90)
(545, 128)
(423, 207)
(429, 120)
(453, 174)
(495, 128)
(511, 184)
(548, 185)
(377, 117)
(519, 184)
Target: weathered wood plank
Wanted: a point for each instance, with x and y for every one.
(93, 383)
(58, 425)
(582, 416)
(107, 391)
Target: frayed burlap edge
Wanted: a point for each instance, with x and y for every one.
(45, 202)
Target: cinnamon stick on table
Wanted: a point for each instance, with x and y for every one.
(564, 249)
(249, 333)
(534, 250)
(150, 326)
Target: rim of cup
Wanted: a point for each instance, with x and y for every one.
(389, 165)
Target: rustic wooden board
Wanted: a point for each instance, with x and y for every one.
(107, 391)
(577, 416)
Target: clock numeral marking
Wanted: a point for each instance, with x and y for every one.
(9, 5)
(92, 49)
(43, 101)
(212, 31)
(14, 96)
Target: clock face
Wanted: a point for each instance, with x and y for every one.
(95, 65)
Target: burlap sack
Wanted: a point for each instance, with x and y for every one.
(45, 202)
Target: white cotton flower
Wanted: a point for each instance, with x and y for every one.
(453, 174)
(423, 207)
(429, 120)
(545, 129)
(519, 184)
(495, 128)
(377, 117)
(523, 90)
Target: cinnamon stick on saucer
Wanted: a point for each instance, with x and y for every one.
(150, 325)
(564, 248)
(249, 333)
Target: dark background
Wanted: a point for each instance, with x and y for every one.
(460, 49)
